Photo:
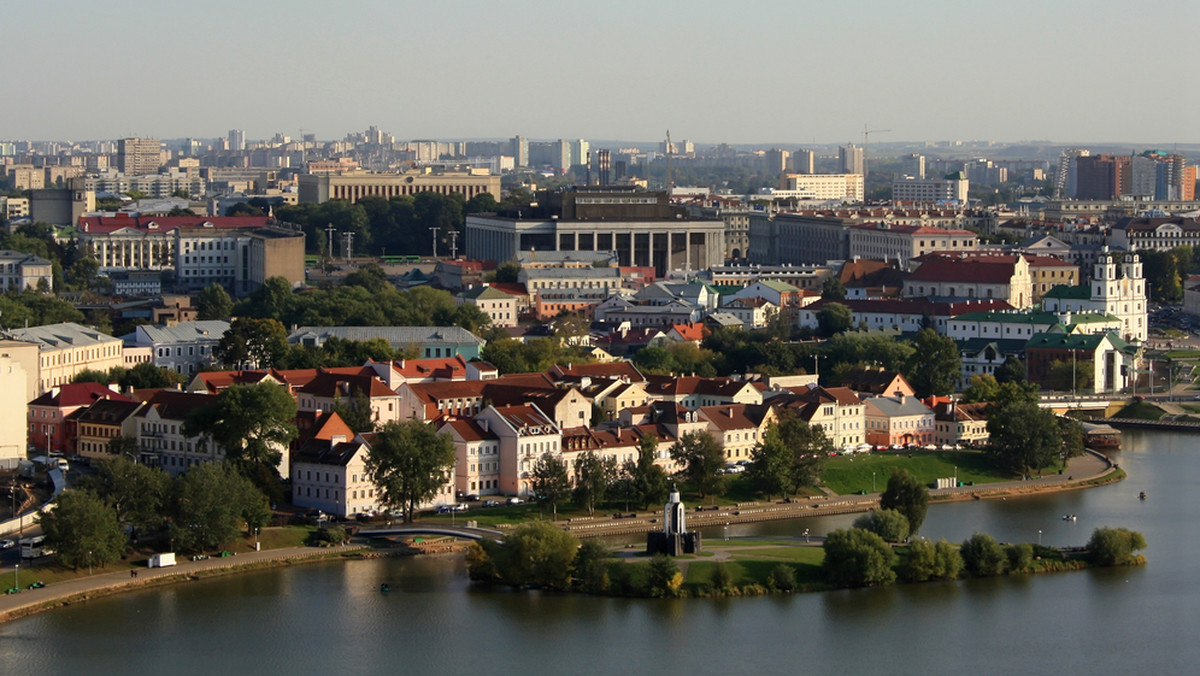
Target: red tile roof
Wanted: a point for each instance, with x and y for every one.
(107, 224)
(77, 394)
(978, 271)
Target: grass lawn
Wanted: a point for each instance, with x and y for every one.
(1141, 410)
(851, 474)
(287, 536)
(1182, 354)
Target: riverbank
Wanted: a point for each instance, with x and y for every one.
(1093, 469)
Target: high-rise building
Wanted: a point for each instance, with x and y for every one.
(237, 140)
(1068, 171)
(914, 165)
(520, 151)
(1103, 177)
(850, 158)
(775, 161)
(137, 156)
(803, 161)
(579, 152)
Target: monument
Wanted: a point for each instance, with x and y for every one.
(674, 538)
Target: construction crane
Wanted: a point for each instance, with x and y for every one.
(866, 151)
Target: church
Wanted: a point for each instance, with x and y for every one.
(1117, 288)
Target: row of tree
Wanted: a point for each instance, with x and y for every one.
(599, 479)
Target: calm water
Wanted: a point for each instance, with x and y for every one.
(330, 618)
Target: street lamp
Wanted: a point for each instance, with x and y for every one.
(806, 540)
(872, 482)
(256, 538)
(16, 569)
(1039, 537)
(89, 562)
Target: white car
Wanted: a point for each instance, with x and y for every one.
(7, 544)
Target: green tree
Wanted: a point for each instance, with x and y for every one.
(535, 553)
(833, 289)
(888, 524)
(137, 493)
(590, 567)
(1023, 437)
(648, 478)
(782, 578)
(908, 496)
(983, 388)
(91, 376)
(409, 463)
(983, 557)
(1071, 376)
(721, 578)
(593, 477)
(857, 558)
(214, 302)
(935, 365)
(1072, 438)
(144, 375)
(551, 483)
(1012, 371)
(252, 343)
(1114, 546)
(210, 502)
(508, 272)
(925, 561)
(252, 423)
(83, 530)
(702, 459)
(1020, 557)
(663, 578)
(834, 318)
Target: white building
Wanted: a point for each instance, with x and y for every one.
(184, 347)
(1118, 288)
(910, 190)
(67, 348)
(844, 187)
(20, 271)
(14, 412)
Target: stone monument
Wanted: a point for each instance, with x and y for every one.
(674, 538)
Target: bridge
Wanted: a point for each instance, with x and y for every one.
(465, 532)
(1062, 403)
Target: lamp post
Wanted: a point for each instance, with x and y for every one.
(256, 538)
(89, 562)
(806, 540)
(16, 569)
(872, 482)
(1039, 537)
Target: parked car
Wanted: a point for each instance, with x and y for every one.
(515, 501)
(7, 544)
(490, 503)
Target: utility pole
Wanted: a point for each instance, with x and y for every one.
(866, 151)
(348, 248)
(453, 244)
(330, 229)
(435, 232)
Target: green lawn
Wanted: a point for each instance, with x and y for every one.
(1182, 354)
(1141, 410)
(852, 474)
(287, 536)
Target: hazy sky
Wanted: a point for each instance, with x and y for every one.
(738, 72)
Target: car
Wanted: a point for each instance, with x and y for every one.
(445, 509)
(515, 501)
(490, 503)
(472, 498)
(7, 544)
(461, 507)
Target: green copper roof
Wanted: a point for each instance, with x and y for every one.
(1082, 292)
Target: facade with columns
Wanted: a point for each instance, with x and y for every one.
(679, 244)
(355, 185)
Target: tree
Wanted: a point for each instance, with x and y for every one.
(1072, 438)
(1114, 546)
(590, 567)
(1072, 376)
(935, 365)
(252, 343)
(91, 376)
(551, 483)
(1023, 437)
(857, 558)
(983, 388)
(214, 302)
(663, 578)
(701, 458)
(144, 375)
(356, 413)
(833, 289)
(782, 578)
(593, 477)
(790, 456)
(925, 561)
(210, 503)
(1020, 557)
(137, 493)
(535, 553)
(409, 463)
(508, 272)
(888, 524)
(252, 423)
(647, 478)
(1012, 371)
(83, 530)
(908, 496)
(982, 556)
(834, 318)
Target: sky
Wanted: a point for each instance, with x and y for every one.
(787, 72)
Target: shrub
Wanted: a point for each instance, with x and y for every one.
(888, 524)
(918, 563)
(590, 568)
(1114, 546)
(722, 579)
(330, 535)
(982, 556)
(949, 561)
(782, 578)
(663, 578)
(1020, 557)
(857, 558)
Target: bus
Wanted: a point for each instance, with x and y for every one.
(400, 259)
(35, 547)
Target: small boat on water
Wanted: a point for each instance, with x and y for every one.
(384, 587)
(1142, 495)
(1070, 517)
(1101, 437)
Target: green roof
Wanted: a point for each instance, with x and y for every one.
(776, 285)
(1092, 318)
(1078, 341)
(727, 289)
(1081, 292)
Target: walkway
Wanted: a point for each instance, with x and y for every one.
(14, 604)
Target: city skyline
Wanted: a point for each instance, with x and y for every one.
(777, 73)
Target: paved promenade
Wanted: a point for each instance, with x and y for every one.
(16, 605)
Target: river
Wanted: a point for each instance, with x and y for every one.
(330, 617)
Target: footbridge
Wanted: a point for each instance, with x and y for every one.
(465, 532)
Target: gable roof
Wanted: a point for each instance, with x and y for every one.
(76, 394)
